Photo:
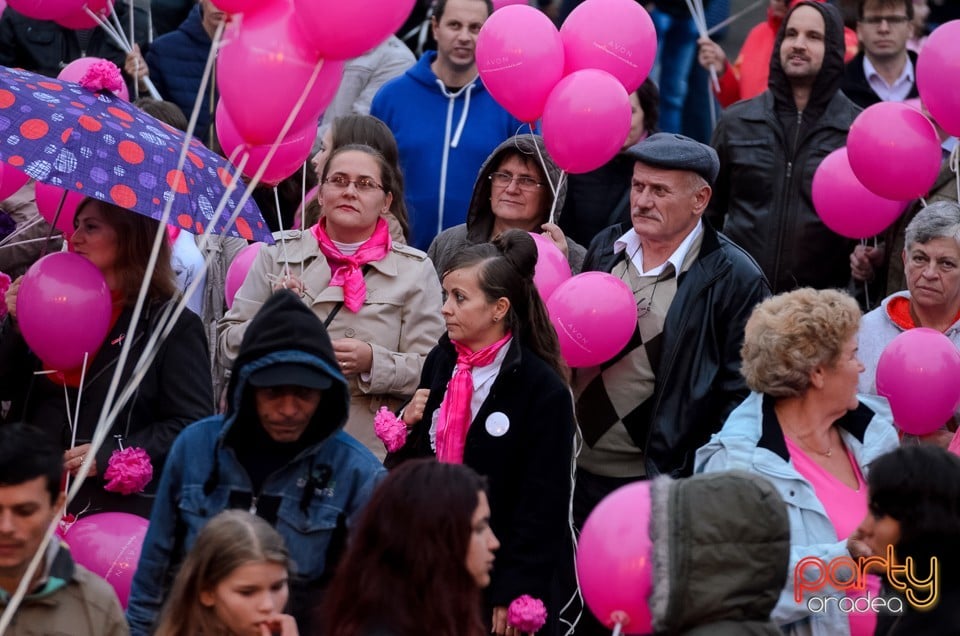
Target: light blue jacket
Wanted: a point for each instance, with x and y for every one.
(750, 441)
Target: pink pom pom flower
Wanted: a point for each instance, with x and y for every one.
(526, 614)
(102, 75)
(128, 471)
(390, 429)
(4, 286)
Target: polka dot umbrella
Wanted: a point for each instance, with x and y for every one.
(96, 144)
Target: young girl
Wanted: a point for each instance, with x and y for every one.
(233, 582)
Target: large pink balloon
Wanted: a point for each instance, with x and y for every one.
(48, 200)
(108, 544)
(894, 151)
(520, 60)
(938, 70)
(82, 20)
(499, 4)
(917, 372)
(75, 70)
(46, 9)
(291, 152)
(615, 559)
(237, 272)
(340, 30)
(263, 69)
(594, 314)
(243, 6)
(552, 266)
(586, 120)
(845, 205)
(616, 36)
(63, 309)
(11, 180)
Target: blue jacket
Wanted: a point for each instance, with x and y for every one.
(176, 60)
(444, 137)
(751, 440)
(310, 498)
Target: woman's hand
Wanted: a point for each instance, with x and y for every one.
(710, 55)
(291, 282)
(500, 623)
(864, 262)
(73, 459)
(413, 412)
(10, 298)
(555, 234)
(355, 356)
(279, 625)
(135, 66)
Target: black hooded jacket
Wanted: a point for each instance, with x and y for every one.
(769, 152)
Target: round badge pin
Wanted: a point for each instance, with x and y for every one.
(497, 424)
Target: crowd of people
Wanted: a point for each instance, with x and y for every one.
(380, 436)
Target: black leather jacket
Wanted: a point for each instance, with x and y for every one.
(698, 381)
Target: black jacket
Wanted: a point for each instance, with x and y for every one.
(698, 381)
(769, 152)
(857, 88)
(175, 391)
(527, 468)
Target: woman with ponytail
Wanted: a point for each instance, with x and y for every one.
(494, 396)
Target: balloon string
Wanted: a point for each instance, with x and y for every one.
(617, 628)
(577, 447)
(955, 166)
(553, 208)
(543, 164)
(36, 219)
(283, 240)
(53, 224)
(76, 413)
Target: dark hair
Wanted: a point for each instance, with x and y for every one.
(919, 486)
(135, 237)
(27, 453)
(649, 97)
(507, 266)
(231, 539)
(166, 112)
(907, 5)
(405, 568)
(440, 6)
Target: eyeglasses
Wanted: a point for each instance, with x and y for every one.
(875, 20)
(363, 184)
(504, 179)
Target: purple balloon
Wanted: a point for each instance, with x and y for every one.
(552, 266)
(63, 309)
(917, 372)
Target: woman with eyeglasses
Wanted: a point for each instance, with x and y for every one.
(379, 300)
(512, 191)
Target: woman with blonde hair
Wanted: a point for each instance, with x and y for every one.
(233, 582)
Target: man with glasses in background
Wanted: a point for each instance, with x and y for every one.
(884, 70)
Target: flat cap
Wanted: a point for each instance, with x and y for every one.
(676, 152)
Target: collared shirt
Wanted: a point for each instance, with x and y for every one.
(896, 92)
(631, 242)
(948, 145)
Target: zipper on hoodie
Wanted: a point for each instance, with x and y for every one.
(451, 141)
(789, 177)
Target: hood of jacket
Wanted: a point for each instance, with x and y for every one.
(721, 550)
(480, 214)
(192, 27)
(830, 76)
(285, 330)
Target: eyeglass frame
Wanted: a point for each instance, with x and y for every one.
(891, 20)
(353, 182)
(535, 185)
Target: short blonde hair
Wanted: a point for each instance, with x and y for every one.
(791, 334)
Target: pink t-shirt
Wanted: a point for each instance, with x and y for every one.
(845, 507)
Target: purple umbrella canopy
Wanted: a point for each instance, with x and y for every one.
(96, 144)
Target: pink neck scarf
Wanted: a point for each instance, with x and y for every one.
(345, 269)
(454, 418)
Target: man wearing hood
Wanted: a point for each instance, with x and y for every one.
(445, 121)
(278, 452)
(770, 147)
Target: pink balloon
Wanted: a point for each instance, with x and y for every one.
(11, 180)
(616, 36)
(520, 60)
(75, 70)
(237, 272)
(48, 200)
(263, 70)
(586, 120)
(291, 152)
(552, 266)
(499, 4)
(917, 372)
(63, 309)
(937, 71)
(46, 9)
(82, 20)
(341, 30)
(595, 315)
(108, 544)
(845, 205)
(615, 562)
(243, 6)
(894, 151)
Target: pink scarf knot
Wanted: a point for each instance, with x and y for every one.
(454, 419)
(346, 270)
